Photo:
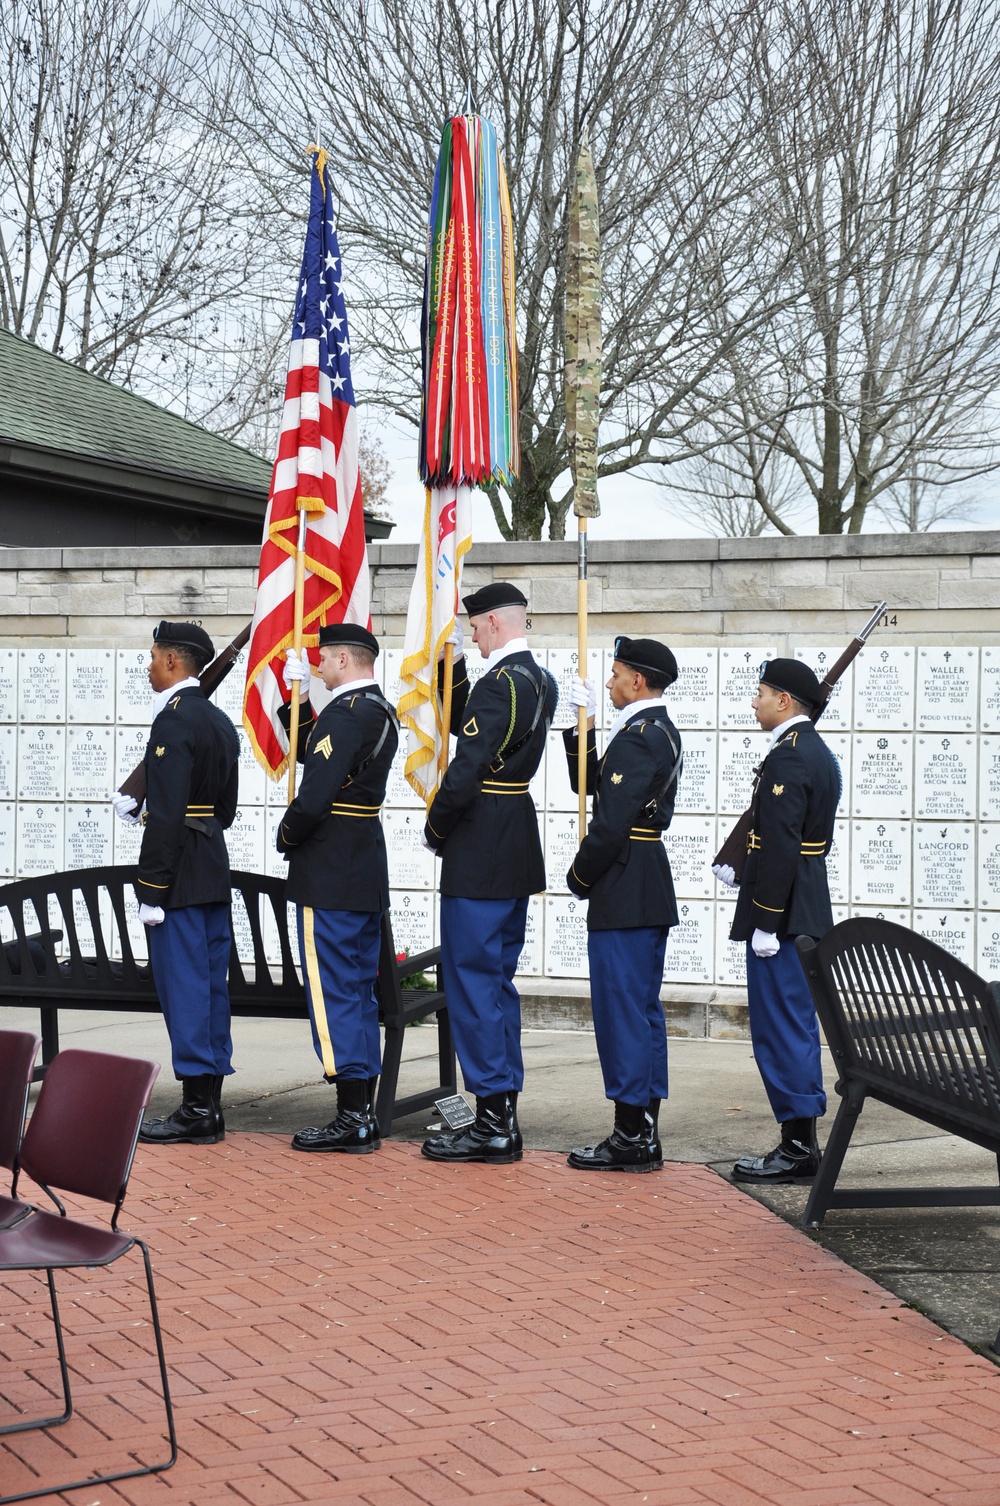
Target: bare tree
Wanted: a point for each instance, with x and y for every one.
(879, 125)
(648, 81)
(125, 239)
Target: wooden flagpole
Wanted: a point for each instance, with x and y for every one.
(300, 596)
(581, 666)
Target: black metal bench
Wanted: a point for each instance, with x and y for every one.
(67, 946)
(912, 1027)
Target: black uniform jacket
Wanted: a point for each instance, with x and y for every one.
(482, 820)
(331, 833)
(192, 786)
(784, 888)
(622, 866)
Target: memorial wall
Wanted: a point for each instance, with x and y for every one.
(915, 723)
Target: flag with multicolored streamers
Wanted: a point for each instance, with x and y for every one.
(469, 422)
(315, 472)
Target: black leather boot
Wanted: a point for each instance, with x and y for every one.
(493, 1137)
(372, 1095)
(217, 1082)
(627, 1148)
(354, 1130)
(195, 1122)
(795, 1159)
(653, 1133)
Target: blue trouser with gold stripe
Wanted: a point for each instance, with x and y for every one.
(785, 1034)
(189, 954)
(339, 951)
(626, 975)
(481, 941)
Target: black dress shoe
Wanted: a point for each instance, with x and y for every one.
(354, 1131)
(796, 1159)
(628, 1147)
(653, 1134)
(196, 1122)
(494, 1136)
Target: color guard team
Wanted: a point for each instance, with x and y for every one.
(483, 825)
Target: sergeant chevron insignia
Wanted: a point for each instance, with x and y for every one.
(778, 789)
(324, 746)
(470, 729)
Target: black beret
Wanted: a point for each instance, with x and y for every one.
(347, 635)
(646, 655)
(500, 593)
(184, 635)
(795, 678)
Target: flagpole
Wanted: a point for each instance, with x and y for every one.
(300, 595)
(581, 669)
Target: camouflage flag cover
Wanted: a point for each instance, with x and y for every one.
(583, 336)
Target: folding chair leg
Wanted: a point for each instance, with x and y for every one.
(833, 1158)
(48, 1422)
(124, 1474)
(392, 1055)
(447, 1070)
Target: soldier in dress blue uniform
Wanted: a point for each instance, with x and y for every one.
(483, 823)
(784, 893)
(622, 870)
(183, 887)
(338, 876)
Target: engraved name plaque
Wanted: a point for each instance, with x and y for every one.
(989, 690)
(696, 786)
(42, 684)
(730, 956)
(39, 839)
(989, 778)
(531, 962)
(411, 866)
(988, 896)
(566, 937)
(691, 846)
(8, 840)
(837, 712)
(90, 763)
(693, 699)
(883, 687)
(988, 946)
(8, 762)
(882, 775)
(690, 954)
(944, 864)
(9, 709)
(739, 755)
(412, 920)
(944, 776)
(130, 750)
(880, 862)
(88, 839)
(739, 676)
(398, 791)
(90, 689)
(245, 839)
(947, 689)
(955, 930)
(838, 863)
(561, 837)
(133, 692)
(561, 663)
(41, 763)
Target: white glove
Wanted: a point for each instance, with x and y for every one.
(424, 843)
(125, 807)
(765, 944)
(297, 669)
(583, 693)
(726, 875)
(151, 915)
(457, 640)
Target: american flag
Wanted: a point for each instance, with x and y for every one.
(316, 470)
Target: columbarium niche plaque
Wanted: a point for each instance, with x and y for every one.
(690, 954)
(9, 709)
(840, 745)
(229, 696)
(39, 839)
(947, 689)
(398, 791)
(559, 794)
(130, 750)
(989, 690)
(253, 780)
(696, 786)
(245, 839)
(42, 685)
(989, 778)
(882, 775)
(691, 846)
(692, 700)
(8, 840)
(944, 776)
(739, 755)
(411, 866)
(561, 664)
(532, 959)
(838, 709)
(739, 676)
(880, 862)
(41, 763)
(8, 762)
(730, 956)
(883, 687)
(90, 763)
(565, 937)
(838, 863)
(133, 692)
(955, 930)
(561, 834)
(988, 946)
(988, 894)
(90, 690)
(412, 920)
(89, 834)
(126, 839)
(944, 865)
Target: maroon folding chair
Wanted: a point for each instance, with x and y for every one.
(81, 1139)
(18, 1049)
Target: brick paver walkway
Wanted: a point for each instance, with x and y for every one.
(381, 1330)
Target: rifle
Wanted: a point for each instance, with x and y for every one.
(211, 678)
(733, 851)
